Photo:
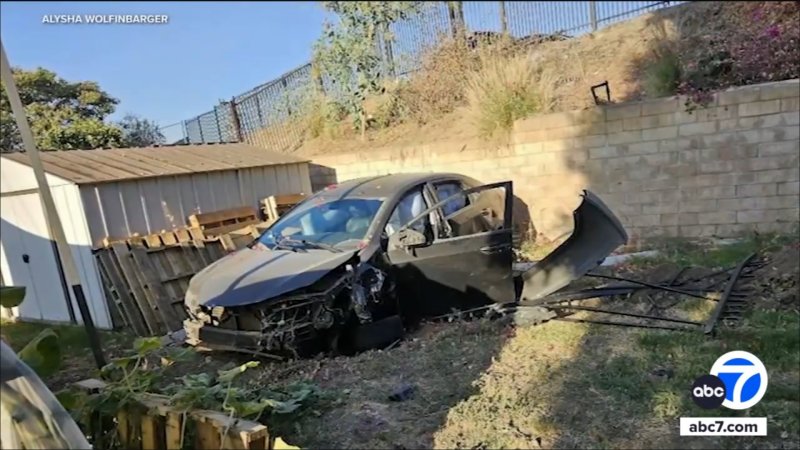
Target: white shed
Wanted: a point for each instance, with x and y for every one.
(116, 193)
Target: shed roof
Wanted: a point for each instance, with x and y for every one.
(108, 165)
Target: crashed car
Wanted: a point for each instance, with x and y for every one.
(352, 266)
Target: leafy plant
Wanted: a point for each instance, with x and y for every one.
(348, 53)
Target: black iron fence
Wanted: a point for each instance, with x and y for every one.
(270, 114)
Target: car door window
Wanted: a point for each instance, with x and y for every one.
(411, 205)
(477, 212)
(448, 189)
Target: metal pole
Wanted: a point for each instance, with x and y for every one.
(50, 214)
(593, 15)
(503, 18)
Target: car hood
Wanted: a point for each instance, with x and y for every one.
(252, 275)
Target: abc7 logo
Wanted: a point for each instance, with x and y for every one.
(738, 380)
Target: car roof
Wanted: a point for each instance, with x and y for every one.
(383, 186)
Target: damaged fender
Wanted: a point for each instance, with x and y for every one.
(597, 232)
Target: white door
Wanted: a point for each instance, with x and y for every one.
(28, 259)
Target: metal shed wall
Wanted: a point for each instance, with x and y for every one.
(24, 231)
(150, 205)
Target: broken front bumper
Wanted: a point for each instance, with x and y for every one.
(597, 232)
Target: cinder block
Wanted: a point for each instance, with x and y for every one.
(789, 215)
(642, 148)
(716, 217)
(660, 106)
(715, 192)
(738, 95)
(625, 137)
(680, 170)
(791, 133)
(694, 129)
(789, 188)
(759, 108)
(683, 117)
(614, 126)
(698, 205)
(660, 183)
(669, 219)
(780, 90)
(660, 208)
(598, 140)
(790, 104)
(700, 181)
(715, 113)
(756, 136)
(755, 216)
(778, 175)
(776, 227)
(767, 163)
(642, 197)
(687, 218)
(615, 112)
(645, 220)
(728, 124)
(779, 148)
(604, 152)
(791, 117)
(716, 167)
(659, 133)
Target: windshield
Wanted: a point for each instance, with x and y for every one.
(335, 222)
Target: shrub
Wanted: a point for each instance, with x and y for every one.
(323, 116)
(661, 78)
(503, 91)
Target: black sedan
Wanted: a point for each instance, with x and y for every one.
(353, 265)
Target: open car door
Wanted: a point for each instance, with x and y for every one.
(462, 259)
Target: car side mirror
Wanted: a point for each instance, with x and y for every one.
(408, 238)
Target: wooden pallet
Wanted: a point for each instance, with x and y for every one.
(145, 278)
(275, 205)
(152, 423)
(224, 221)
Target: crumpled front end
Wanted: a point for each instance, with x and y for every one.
(291, 324)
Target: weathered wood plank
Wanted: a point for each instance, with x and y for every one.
(224, 229)
(174, 437)
(108, 263)
(203, 219)
(208, 436)
(123, 431)
(131, 275)
(154, 289)
(150, 437)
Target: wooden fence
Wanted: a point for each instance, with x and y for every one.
(151, 423)
(145, 278)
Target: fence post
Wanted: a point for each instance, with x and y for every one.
(593, 15)
(387, 50)
(237, 125)
(219, 128)
(503, 18)
(456, 12)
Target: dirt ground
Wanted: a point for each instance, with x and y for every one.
(489, 384)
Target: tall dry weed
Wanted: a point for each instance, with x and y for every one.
(505, 90)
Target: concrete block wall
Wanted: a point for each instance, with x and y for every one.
(722, 170)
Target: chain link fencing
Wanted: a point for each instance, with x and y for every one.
(271, 115)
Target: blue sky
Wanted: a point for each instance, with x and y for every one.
(208, 51)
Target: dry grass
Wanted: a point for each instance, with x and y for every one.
(503, 91)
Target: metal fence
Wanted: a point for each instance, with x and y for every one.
(269, 115)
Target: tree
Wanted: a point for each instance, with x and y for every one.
(63, 115)
(139, 132)
(348, 51)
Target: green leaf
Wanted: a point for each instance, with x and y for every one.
(11, 296)
(226, 376)
(43, 353)
(143, 346)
